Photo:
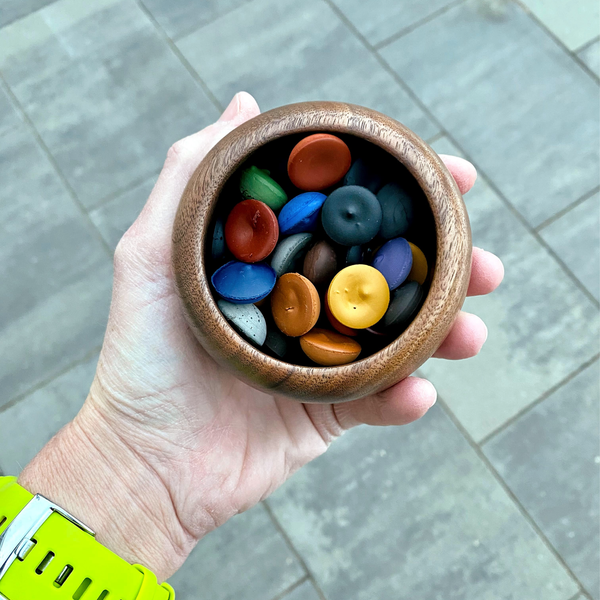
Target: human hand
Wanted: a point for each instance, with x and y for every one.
(176, 444)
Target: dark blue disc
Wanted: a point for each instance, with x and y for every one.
(301, 214)
(351, 215)
(364, 174)
(404, 304)
(394, 261)
(218, 240)
(244, 283)
(397, 208)
(354, 256)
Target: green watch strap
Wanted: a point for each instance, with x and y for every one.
(67, 563)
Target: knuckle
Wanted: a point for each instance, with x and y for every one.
(177, 152)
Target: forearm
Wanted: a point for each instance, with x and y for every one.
(88, 471)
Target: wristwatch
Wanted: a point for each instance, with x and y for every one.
(48, 554)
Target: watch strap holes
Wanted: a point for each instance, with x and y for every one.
(85, 584)
(64, 575)
(2, 520)
(103, 595)
(45, 562)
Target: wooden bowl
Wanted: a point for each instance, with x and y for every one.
(380, 370)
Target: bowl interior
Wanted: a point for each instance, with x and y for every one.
(273, 155)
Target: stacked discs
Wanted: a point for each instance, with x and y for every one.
(320, 261)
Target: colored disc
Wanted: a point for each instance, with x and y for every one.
(351, 215)
(354, 255)
(405, 303)
(289, 251)
(218, 240)
(358, 296)
(301, 214)
(251, 231)
(276, 342)
(256, 183)
(247, 319)
(295, 304)
(329, 348)
(243, 283)
(394, 261)
(418, 271)
(397, 209)
(364, 174)
(318, 161)
(320, 263)
(335, 323)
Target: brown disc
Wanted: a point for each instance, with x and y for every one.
(295, 304)
(329, 348)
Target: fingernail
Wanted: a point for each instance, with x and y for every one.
(232, 109)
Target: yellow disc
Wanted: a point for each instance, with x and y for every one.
(418, 272)
(358, 296)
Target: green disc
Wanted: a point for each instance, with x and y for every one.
(255, 183)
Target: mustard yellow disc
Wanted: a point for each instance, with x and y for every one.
(358, 296)
(418, 271)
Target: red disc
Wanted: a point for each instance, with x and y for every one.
(336, 324)
(251, 231)
(318, 161)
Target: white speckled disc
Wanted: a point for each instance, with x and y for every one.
(247, 319)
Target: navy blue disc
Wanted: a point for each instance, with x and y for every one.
(405, 302)
(354, 256)
(244, 283)
(351, 215)
(364, 174)
(397, 209)
(301, 214)
(394, 261)
(218, 240)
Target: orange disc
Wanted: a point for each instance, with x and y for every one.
(318, 161)
(295, 304)
(329, 348)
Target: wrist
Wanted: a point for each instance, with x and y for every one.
(93, 474)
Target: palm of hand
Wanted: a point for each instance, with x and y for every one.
(217, 445)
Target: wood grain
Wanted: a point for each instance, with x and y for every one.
(378, 371)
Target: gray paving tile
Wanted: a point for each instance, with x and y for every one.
(104, 90)
(114, 218)
(11, 10)
(519, 105)
(573, 23)
(410, 513)
(245, 559)
(590, 55)
(380, 19)
(541, 326)
(9, 118)
(550, 460)
(56, 276)
(28, 425)
(575, 237)
(306, 591)
(302, 51)
(179, 17)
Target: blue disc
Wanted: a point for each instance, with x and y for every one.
(244, 283)
(397, 208)
(301, 214)
(394, 261)
(364, 174)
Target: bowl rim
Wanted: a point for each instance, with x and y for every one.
(447, 286)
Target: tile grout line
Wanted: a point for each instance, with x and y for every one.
(586, 45)
(528, 518)
(402, 32)
(26, 15)
(44, 382)
(124, 190)
(288, 541)
(557, 40)
(567, 209)
(538, 400)
(42, 145)
(443, 130)
(291, 588)
(182, 59)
